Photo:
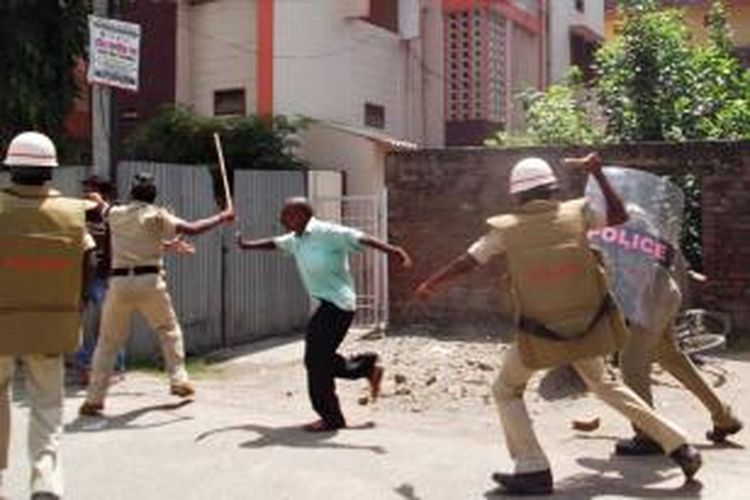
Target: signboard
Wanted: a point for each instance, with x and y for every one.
(114, 53)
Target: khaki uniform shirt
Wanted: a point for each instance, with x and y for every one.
(137, 231)
(492, 244)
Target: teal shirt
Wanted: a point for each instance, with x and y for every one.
(322, 256)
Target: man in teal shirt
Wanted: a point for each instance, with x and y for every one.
(321, 250)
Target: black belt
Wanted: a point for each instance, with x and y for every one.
(136, 271)
(535, 328)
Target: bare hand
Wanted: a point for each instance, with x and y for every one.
(182, 247)
(227, 214)
(424, 291)
(238, 239)
(179, 246)
(696, 276)
(406, 262)
(590, 163)
(95, 197)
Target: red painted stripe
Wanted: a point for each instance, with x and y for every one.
(551, 178)
(24, 154)
(264, 63)
(516, 14)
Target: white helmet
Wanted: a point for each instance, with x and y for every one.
(31, 149)
(530, 173)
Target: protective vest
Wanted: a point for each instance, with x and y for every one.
(558, 288)
(41, 253)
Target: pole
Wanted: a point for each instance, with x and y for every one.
(224, 334)
(101, 115)
(223, 170)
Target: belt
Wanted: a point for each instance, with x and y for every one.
(535, 328)
(135, 271)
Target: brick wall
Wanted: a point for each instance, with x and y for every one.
(439, 199)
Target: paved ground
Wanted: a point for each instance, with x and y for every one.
(239, 440)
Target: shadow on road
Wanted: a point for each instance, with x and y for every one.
(589, 486)
(293, 437)
(406, 491)
(726, 445)
(125, 420)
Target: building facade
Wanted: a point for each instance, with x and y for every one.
(356, 63)
(493, 49)
(738, 17)
(575, 32)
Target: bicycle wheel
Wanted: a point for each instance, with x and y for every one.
(694, 344)
(703, 322)
(699, 330)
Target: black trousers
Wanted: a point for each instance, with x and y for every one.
(325, 332)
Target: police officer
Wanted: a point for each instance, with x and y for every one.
(563, 312)
(43, 251)
(139, 230)
(653, 339)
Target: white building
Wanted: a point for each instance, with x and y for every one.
(575, 29)
(368, 71)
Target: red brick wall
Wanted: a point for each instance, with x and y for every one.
(439, 199)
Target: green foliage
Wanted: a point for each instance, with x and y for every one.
(177, 135)
(555, 117)
(690, 239)
(645, 76)
(655, 84)
(41, 42)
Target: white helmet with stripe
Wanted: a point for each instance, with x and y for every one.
(531, 173)
(31, 149)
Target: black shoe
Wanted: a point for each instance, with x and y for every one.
(44, 495)
(637, 446)
(719, 434)
(529, 483)
(688, 458)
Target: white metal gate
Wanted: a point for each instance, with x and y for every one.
(369, 268)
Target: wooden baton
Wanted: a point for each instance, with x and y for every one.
(223, 170)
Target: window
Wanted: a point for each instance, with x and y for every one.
(384, 13)
(229, 102)
(374, 115)
(580, 5)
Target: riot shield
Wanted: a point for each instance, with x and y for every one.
(640, 254)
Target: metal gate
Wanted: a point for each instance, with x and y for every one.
(369, 268)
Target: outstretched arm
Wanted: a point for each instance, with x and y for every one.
(592, 163)
(261, 244)
(459, 266)
(391, 250)
(203, 225)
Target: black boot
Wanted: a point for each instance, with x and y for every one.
(528, 483)
(719, 434)
(688, 458)
(638, 446)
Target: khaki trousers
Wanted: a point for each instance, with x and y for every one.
(525, 450)
(126, 295)
(645, 347)
(44, 386)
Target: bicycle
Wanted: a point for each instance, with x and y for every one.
(700, 330)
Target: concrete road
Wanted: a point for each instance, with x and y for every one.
(239, 439)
